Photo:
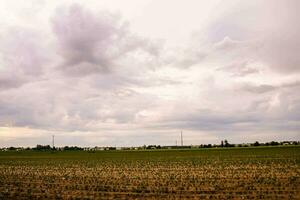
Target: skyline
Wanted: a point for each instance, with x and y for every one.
(115, 73)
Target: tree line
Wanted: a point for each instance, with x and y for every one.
(223, 144)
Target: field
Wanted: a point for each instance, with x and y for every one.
(227, 173)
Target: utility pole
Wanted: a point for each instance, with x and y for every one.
(181, 139)
(53, 141)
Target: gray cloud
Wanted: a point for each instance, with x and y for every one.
(279, 113)
(264, 88)
(89, 76)
(84, 37)
(264, 32)
(89, 44)
(94, 42)
(9, 80)
(258, 88)
(23, 56)
(239, 69)
(23, 51)
(72, 107)
(271, 27)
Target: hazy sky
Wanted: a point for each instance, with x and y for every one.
(135, 72)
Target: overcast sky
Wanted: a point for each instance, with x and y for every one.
(135, 72)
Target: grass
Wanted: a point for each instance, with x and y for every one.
(224, 173)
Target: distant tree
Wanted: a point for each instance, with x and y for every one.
(273, 143)
(207, 146)
(42, 147)
(256, 144)
(72, 148)
(222, 143)
(226, 143)
(65, 148)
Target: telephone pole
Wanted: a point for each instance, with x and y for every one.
(181, 139)
(53, 141)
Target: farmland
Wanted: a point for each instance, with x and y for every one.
(221, 173)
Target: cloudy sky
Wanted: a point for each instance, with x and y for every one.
(135, 72)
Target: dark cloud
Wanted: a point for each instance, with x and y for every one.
(209, 121)
(263, 88)
(84, 37)
(94, 42)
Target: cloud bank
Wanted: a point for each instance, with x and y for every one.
(87, 77)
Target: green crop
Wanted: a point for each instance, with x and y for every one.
(233, 173)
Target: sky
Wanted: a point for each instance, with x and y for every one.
(137, 72)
